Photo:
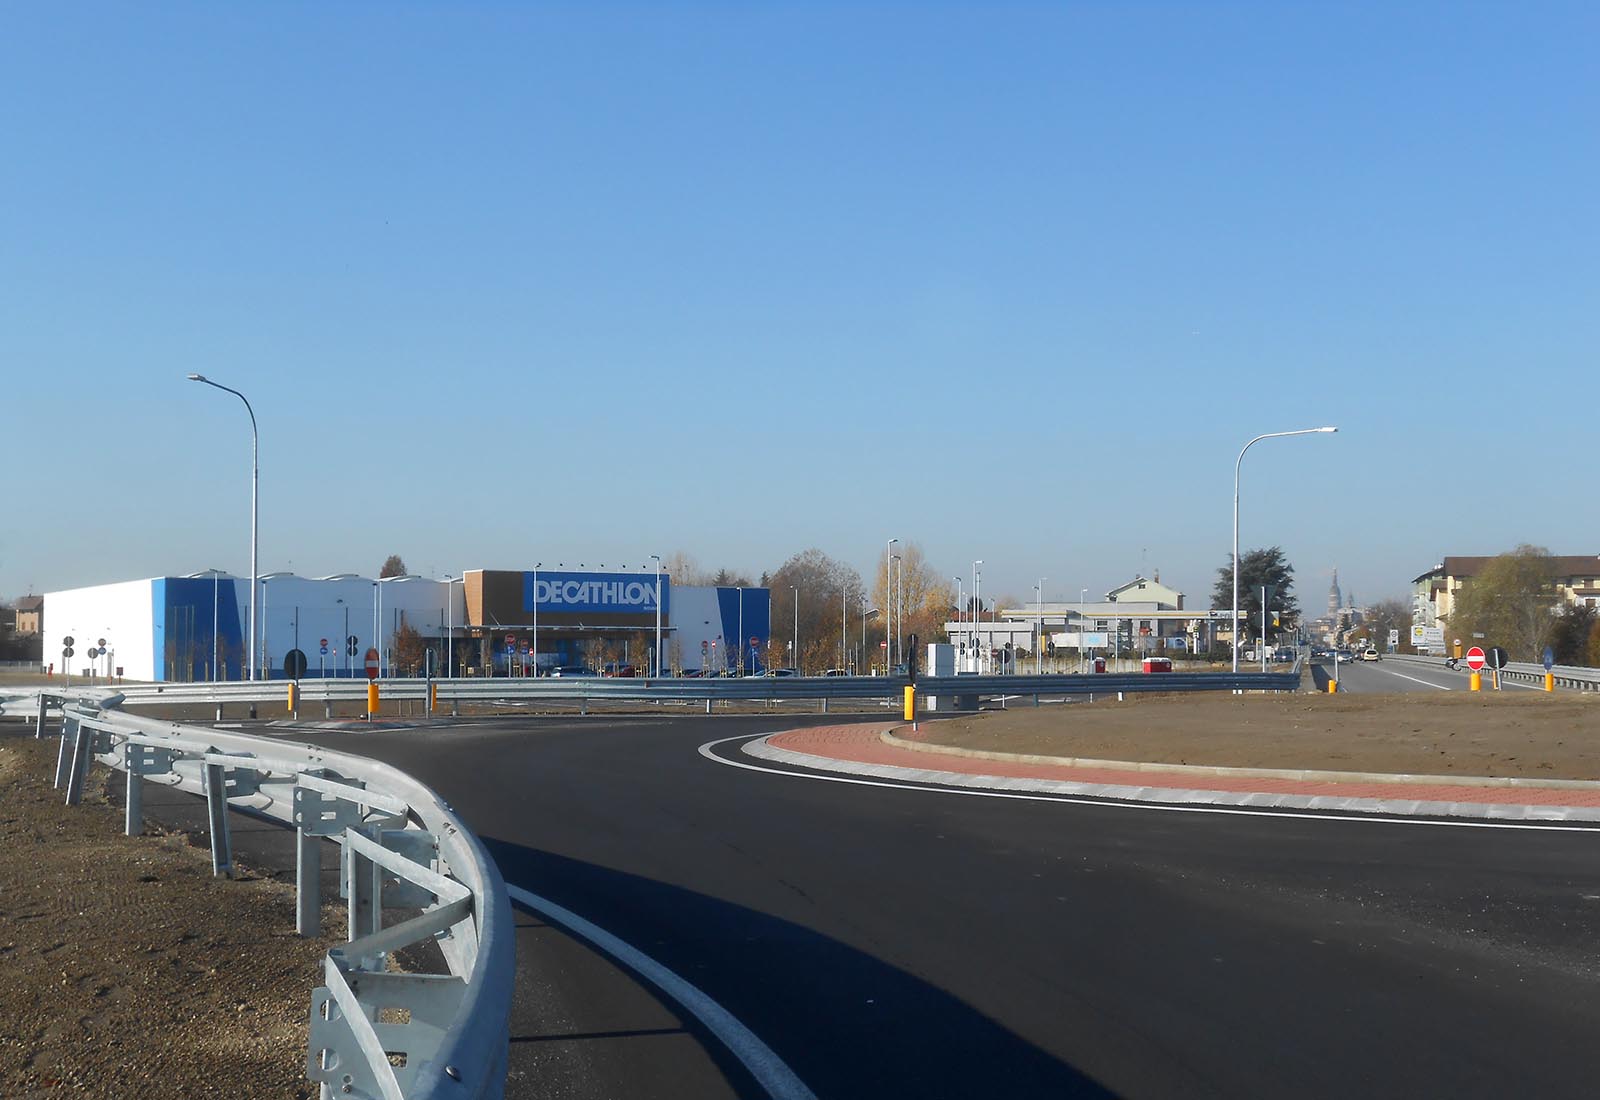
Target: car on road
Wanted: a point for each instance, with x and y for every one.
(1342, 655)
(1369, 654)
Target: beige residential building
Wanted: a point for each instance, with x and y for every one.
(1577, 580)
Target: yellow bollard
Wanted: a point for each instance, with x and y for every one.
(372, 698)
(1549, 681)
(292, 700)
(1476, 682)
(433, 698)
(911, 703)
(1333, 687)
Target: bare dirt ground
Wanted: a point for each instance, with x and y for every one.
(126, 970)
(1445, 733)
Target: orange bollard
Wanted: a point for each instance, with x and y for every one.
(433, 698)
(293, 692)
(911, 703)
(1333, 687)
(372, 698)
(1549, 681)
(1476, 682)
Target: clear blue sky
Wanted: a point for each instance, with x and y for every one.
(510, 283)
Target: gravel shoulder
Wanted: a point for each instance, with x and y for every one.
(125, 968)
(1524, 735)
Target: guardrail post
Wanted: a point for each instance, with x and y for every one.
(38, 731)
(708, 706)
(219, 712)
(824, 704)
(217, 818)
(252, 711)
(64, 754)
(133, 812)
(363, 883)
(455, 703)
(307, 883)
(83, 738)
(583, 705)
(327, 707)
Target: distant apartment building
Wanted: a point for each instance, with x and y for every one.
(30, 614)
(1577, 581)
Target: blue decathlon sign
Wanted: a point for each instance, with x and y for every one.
(594, 593)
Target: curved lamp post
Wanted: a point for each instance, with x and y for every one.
(255, 477)
(1236, 465)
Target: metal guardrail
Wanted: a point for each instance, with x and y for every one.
(374, 1034)
(712, 689)
(1572, 677)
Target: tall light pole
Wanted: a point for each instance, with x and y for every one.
(1083, 599)
(977, 607)
(958, 609)
(450, 631)
(888, 599)
(1038, 661)
(657, 559)
(255, 477)
(533, 643)
(741, 630)
(900, 611)
(796, 591)
(1237, 463)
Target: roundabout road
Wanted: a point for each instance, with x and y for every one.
(907, 942)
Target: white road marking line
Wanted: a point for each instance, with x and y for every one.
(1414, 680)
(1108, 804)
(767, 1068)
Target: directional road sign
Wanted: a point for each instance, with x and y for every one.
(1549, 658)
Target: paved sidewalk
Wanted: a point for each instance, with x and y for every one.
(863, 750)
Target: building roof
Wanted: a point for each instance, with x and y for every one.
(1565, 565)
(30, 603)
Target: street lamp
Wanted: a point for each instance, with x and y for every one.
(255, 477)
(1237, 463)
(796, 591)
(958, 609)
(977, 609)
(888, 599)
(1038, 656)
(450, 631)
(898, 611)
(533, 643)
(657, 559)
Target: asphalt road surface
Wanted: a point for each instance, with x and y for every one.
(1380, 677)
(889, 942)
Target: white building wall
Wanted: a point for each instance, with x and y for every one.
(122, 614)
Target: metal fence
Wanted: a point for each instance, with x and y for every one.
(374, 1033)
(453, 692)
(1570, 677)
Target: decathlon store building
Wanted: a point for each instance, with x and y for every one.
(488, 623)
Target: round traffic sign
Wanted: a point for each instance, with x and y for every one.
(372, 664)
(1475, 658)
(91, 652)
(67, 640)
(1498, 658)
(294, 664)
(324, 645)
(101, 643)
(66, 651)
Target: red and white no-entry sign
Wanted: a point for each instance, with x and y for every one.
(372, 664)
(1475, 658)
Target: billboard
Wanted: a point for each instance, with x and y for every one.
(594, 593)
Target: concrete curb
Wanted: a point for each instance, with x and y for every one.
(888, 738)
(1509, 813)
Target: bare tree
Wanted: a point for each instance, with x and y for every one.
(409, 651)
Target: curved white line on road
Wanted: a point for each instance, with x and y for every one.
(1108, 804)
(770, 1071)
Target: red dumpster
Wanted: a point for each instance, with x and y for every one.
(1099, 664)
(1158, 664)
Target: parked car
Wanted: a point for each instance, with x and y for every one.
(836, 672)
(615, 669)
(780, 672)
(571, 671)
